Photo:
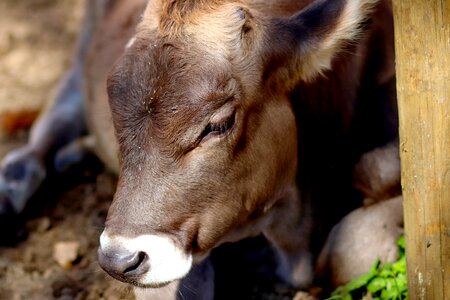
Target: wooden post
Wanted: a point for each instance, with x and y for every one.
(422, 41)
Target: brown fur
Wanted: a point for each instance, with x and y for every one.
(231, 119)
(189, 60)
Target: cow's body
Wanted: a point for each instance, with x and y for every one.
(321, 126)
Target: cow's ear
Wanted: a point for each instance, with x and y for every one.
(303, 46)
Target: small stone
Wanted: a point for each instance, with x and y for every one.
(65, 253)
(304, 296)
(43, 225)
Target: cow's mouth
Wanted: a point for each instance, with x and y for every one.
(149, 286)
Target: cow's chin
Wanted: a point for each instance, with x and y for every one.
(145, 261)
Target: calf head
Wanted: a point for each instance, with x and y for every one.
(207, 136)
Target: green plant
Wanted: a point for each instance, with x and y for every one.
(382, 282)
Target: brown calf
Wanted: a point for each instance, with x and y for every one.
(208, 134)
(232, 118)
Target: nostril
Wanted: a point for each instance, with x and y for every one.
(139, 259)
(123, 265)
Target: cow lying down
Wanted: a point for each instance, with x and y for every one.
(226, 119)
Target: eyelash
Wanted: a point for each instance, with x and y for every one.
(219, 128)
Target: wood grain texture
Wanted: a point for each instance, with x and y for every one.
(423, 77)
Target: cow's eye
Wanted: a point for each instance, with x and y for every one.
(218, 128)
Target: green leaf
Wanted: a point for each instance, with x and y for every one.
(339, 294)
(359, 282)
(401, 245)
(401, 280)
(344, 296)
(399, 266)
(374, 268)
(386, 271)
(376, 284)
(386, 281)
(392, 291)
(401, 242)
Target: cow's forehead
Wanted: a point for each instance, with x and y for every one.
(220, 30)
(175, 70)
(214, 25)
(168, 86)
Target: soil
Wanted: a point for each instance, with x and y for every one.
(72, 212)
(36, 40)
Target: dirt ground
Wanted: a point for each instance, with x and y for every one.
(73, 212)
(36, 39)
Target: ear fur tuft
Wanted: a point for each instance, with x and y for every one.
(308, 42)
